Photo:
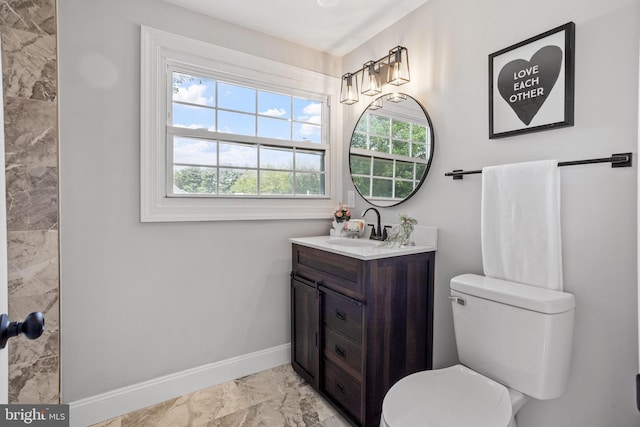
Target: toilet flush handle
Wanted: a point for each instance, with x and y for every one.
(459, 300)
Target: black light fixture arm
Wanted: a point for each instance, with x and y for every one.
(382, 61)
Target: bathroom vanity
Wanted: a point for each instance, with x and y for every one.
(361, 319)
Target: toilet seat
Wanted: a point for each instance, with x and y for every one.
(451, 397)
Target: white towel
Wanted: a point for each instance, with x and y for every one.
(521, 223)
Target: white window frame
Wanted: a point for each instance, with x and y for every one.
(158, 50)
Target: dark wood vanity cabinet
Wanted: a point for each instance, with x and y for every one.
(304, 329)
(358, 326)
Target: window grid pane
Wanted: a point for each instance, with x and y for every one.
(193, 179)
(193, 90)
(226, 107)
(218, 167)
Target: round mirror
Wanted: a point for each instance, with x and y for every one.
(391, 150)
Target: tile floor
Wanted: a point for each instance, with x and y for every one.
(272, 398)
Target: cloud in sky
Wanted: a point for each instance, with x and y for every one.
(193, 94)
(275, 112)
(308, 131)
(313, 109)
(312, 113)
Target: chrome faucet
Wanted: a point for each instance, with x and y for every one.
(376, 233)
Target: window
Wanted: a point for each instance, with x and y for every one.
(230, 139)
(389, 155)
(229, 136)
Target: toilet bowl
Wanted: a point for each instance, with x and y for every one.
(452, 397)
(514, 342)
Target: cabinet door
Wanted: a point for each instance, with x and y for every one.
(304, 329)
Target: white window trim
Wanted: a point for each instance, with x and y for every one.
(159, 46)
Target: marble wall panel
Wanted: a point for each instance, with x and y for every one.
(31, 133)
(33, 286)
(34, 16)
(32, 198)
(32, 263)
(35, 382)
(29, 71)
(29, 65)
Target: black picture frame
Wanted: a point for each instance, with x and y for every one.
(531, 84)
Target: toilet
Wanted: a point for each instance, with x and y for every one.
(514, 343)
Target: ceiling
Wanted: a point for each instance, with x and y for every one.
(334, 29)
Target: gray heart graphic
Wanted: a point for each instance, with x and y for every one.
(526, 85)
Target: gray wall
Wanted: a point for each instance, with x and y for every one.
(130, 290)
(146, 300)
(449, 42)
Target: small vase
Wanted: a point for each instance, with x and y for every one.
(338, 228)
(406, 238)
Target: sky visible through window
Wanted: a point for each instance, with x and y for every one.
(276, 119)
(195, 106)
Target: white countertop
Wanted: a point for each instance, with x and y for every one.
(363, 249)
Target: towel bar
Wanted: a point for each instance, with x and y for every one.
(620, 160)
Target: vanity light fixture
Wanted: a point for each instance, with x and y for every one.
(390, 69)
(349, 89)
(398, 66)
(371, 79)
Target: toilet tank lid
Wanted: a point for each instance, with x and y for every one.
(529, 297)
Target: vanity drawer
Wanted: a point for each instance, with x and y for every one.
(342, 314)
(343, 352)
(337, 272)
(343, 388)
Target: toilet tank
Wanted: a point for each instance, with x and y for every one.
(518, 335)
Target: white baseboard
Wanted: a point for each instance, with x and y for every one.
(95, 409)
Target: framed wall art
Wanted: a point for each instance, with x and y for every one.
(531, 84)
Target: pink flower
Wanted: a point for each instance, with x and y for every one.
(341, 214)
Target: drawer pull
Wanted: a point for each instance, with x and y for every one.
(341, 351)
(341, 315)
(340, 388)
